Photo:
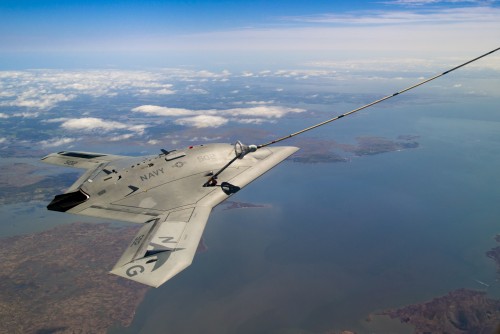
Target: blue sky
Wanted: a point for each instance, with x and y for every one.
(168, 33)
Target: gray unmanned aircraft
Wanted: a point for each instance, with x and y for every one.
(171, 194)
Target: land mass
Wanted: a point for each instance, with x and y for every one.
(57, 281)
(494, 254)
(327, 151)
(460, 311)
(19, 174)
(21, 182)
(378, 145)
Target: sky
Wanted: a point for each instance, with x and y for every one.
(64, 33)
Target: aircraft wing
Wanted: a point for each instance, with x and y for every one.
(163, 247)
(78, 159)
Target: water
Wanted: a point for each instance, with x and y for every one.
(342, 241)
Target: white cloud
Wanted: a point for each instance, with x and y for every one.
(164, 91)
(202, 121)
(26, 114)
(2, 115)
(152, 89)
(218, 117)
(252, 121)
(7, 94)
(304, 73)
(262, 111)
(56, 142)
(91, 124)
(204, 138)
(207, 74)
(198, 91)
(33, 98)
(153, 142)
(259, 102)
(257, 114)
(3, 140)
(121, 137)
(163, 111)
(56, 120)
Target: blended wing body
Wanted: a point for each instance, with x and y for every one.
(165, 193)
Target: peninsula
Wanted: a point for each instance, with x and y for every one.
(460, 311)
(327, 151)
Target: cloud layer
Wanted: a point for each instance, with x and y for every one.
(216, 117)
(46, 89)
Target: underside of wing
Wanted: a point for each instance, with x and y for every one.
(163, 247)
